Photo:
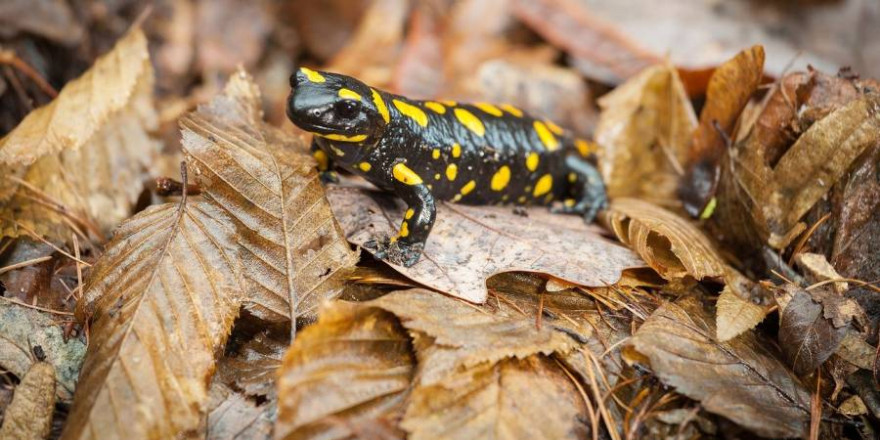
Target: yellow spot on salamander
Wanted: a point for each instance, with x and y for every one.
(501, 178)
(449, 103)
(584, 148)
(349, 94)
(343, 138)
(521, 199)
(403, 174)
(321, 157)
(710, 209)
(489, 108)
(412, 111)
(572, 177)
(451, 171)
(430, 187)
(404, 229)
(337, 151)
(456, 150)
(409, 213)
(468, 187)
(365, 166)
(512, 110)
(456, 198)
(544, 185)
(380, 106)
(437, 176)
(505, 197)
(312, 75)
(554, 128)
(436, 107)
(546, 136)
(470, 121)
(436, 153)
(532, 161)
(569, 203)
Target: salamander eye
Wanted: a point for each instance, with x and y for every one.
(346, 108)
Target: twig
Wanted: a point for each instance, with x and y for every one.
(24, 263)
(816, 410)
(30, 306)
(10, 58)
(798, 247)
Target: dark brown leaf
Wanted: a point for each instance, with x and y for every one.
(468, 243)
(807, 339)
(294, 253)
(738, 379)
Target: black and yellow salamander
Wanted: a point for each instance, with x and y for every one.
(424, 151)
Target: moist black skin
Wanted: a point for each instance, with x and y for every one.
(422, 151)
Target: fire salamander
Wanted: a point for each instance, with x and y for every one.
(424, 151)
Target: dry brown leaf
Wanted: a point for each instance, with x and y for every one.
(513, 399)
(736, 315)
(470, 243)
(233, 416)
(737, 379)
(477, 334)
(856, 351)
(730, 89)
(670, 244)
(294, 253)
(29, 416)
(163, 298)
(806, 338)
(644, 133)
(253, 367)
(78, 163)
(351, 368)
(22, 328)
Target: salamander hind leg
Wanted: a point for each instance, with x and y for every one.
(586, 189)
(406, 248)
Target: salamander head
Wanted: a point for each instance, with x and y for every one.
(333, 106)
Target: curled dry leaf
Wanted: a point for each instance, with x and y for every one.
(807, 339)
(352, 368)
(670, 244)
(513, 399)
(736, 315)
(22, 328)
(477, 334)
(644, 133)
(729, 90)
(163, 298)
(468, 243)
(294, 253)
(738, 379)
(78, 162)
(29, 416)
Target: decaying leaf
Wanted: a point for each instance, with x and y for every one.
(738, 379)
(163, 298)
(29, 416)
(644, 133)
(730, 89)
(353, 367)
(22, 328)
(475, 336)
(77, 164)
(294, 253)
(233, 416)
(468, 244)
(736, 315)
(668, 243)
(253, 367)
(807, 339)
(513, 399)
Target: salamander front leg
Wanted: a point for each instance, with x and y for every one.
(406, 248)
(325, 165)
(587, 189)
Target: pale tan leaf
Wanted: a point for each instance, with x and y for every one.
(29, 416)
(79, 162)
(470, 243)
(738, 379)
(234, 416)
(671, 245)
(294, 253)
(476, 335)
(736, 315)
(644, 132)
(514, 399)
(818, 159)
(22, 328)
(163, 298)
(352, 368)
(854, 406)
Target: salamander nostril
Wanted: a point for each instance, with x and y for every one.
(314, 113)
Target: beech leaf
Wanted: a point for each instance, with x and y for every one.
(352, 367)
(738, 379)
(77, 163)
(470, 243)
(293, 252)
(736, 315)
(163, 298)
(29, 416)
